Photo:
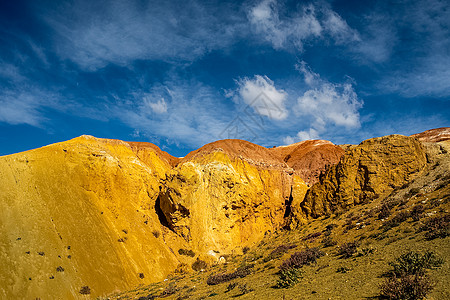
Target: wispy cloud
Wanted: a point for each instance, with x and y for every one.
(326, 104)
(94, 34)
(22, 107)
(311, 21)
(190, 113)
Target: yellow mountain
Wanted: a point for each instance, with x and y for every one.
(103, 215)
(81, 213)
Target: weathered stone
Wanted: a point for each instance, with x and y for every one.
(365, 172)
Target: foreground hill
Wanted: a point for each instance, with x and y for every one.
(81, 213)
(90, 216)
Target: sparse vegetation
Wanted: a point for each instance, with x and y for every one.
(244, 289)
(241, 272)
(279, 251)
(412, 263)
(299, 259)
(288, 277)
(437, 227)
(328, 241)
(396, 220)
(385, 212)
(348, 249)
(186, 252)
(411, 287)
(417, 212)
(342, 270)
(231, 286)
(156, 233)
(408, 279)
(85, 290)
(199, 265)
(312, 236)
(170, 290)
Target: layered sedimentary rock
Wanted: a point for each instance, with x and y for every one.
(309, 158)
(227, 194)
(81, 213)
(365, 172)
(433, 135)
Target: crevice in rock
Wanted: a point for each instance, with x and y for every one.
(288, 203)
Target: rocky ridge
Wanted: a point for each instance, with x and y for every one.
(126, 209)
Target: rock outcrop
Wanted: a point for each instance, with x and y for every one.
(365, 172)
(309, 158)
(226, 194)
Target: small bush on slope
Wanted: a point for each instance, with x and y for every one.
(408, 279)
(290, 273)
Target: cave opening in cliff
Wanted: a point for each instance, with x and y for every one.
(162, 218)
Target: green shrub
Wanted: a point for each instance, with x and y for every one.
(413, 263)
(288, 277)
(408, 279)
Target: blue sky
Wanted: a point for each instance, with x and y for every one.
(181, 74)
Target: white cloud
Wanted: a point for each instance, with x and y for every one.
(94, 34)
(325, 104)
(304, 135)
(310, 22)
(310, 134)
(260, 93)
(328, 103)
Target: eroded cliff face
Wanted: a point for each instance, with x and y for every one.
(309, 158)
(221, 200)
(114, 214)
(374, 167)
(88, 206)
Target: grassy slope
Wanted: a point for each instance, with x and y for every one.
(321, 280)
